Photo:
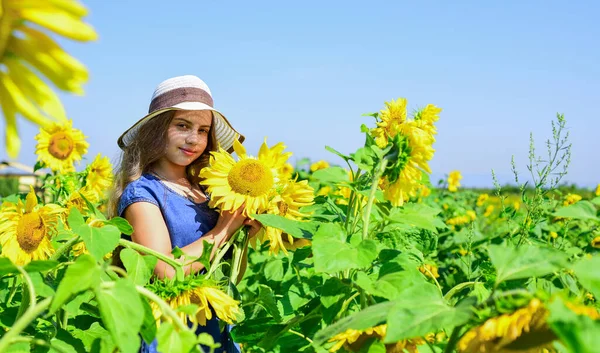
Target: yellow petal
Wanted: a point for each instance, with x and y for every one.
(10, 90)
(70, 6)
(31, 200)
(13, 142)
(36, 89)
(239, 149)
(61, 23)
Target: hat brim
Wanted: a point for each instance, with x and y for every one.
(225, 133)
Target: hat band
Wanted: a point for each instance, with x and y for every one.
(179, 95)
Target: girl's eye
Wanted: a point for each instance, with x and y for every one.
(181, 125)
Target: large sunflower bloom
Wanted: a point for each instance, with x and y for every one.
(60, 146)
(26, 229)
(99, 178)
(25, 45)
(208, 298)
(293, 196)
(248, 181)
(417, 136)
(523, 331)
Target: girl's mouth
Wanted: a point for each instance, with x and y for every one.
(187, 152)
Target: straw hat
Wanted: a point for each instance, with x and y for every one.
(185, 93)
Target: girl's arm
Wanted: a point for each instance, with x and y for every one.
(151, 231)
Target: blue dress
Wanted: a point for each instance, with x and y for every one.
(186, 221)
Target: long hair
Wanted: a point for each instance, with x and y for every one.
(148, 146)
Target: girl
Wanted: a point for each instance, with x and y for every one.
(156, 186)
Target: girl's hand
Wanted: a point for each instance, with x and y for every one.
(255, 227)
(229, 222)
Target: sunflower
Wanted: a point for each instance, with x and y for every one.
(391, 118)
(524, 330)
(26, 48)
(319, 165)
(198, 291)
(293, 195)
(26, 229)
(597, 192)
(99, 176)
(414, 139)
(60, 146)
(454, 180)
(249, 181)
(76, 200)
(352, 340)
(481, 199)
(571, 199)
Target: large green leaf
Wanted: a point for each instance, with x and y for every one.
(580, 210)
(525, 261)
(390, 286)
(368, 317)
(81, 275)
(416, 215)
(98, 241)
(7, 267)
(174, 341)
(588, 274)
(419, 316)
(266, 298)
(41, 265)
(331, 175)
(296, 229)
(122, 313)
(139, 268)
(122, 224)
(579, 333)
(95, 331)
(333, 254)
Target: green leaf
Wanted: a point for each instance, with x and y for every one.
(580, 210)
(174, 341)
(41, 265)
(417, 215)
(525, 261)
(87, 337)
(122, 313)
(366, 318)
(122, 224)
(99, 241)
(266, 298)
(19, 347)
(139, 268)
(81, 275)
(42, 288)
(588, 275)
(7, 267)
(274, 270)
(596, 200)
(294, 228)
(579, 333)
(148, 330)
(365, 158)
(332, 253)
(420, 316)
(393, 285)
(204, 258)
(330, 149)
(331, 175)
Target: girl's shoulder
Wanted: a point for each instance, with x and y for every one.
(147, 188)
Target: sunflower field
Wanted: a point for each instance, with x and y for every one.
(365, 255)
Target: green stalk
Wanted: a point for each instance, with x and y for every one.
(219, 256)
(179, 274)
(238, 253)
(64, 248)
(374, 185)
(30, 314)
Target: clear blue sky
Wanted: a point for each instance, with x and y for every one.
(304, 72)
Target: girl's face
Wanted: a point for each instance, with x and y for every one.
(187, 136)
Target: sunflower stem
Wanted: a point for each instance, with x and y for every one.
(454, 337)
(238, 254)
(27, 283)
(219, 256)
(179, 274)
(374, 184)
(64, 248)
(30, 314)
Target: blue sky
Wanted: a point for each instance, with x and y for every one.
(304, 72)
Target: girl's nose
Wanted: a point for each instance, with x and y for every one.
(192, 139)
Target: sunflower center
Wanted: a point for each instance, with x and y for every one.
(61, 145)
(250, 177)
(30, 231)
(283, 208)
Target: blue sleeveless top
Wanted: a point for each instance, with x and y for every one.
(186, 221)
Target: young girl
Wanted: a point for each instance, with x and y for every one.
(156, 186)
